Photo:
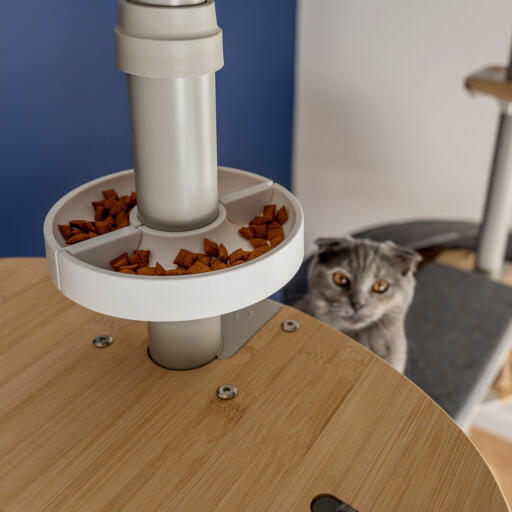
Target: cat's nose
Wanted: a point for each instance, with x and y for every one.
(356, 305)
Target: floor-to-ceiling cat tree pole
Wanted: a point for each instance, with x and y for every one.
(495, 228)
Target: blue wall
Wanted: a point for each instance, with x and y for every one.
(64, 110)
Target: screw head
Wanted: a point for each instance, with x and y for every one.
(102, 341)
(227, 392)
(290, 326)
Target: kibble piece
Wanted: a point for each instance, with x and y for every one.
(258, 242)
(204, 259)
(239, 254)
(254, 254)
(263, 249)
(185, 258)
(218, 265)
(210, 248)
(129, 267)
(223, 253)
(80, 237)
(110, 221)
(175, 272)
(159, 269)
(98, 213)
(276, 241)
(274, 225)
(259, 231)
(97, 204)
(126, 270)
(147, 271)
(110, 194)
(272, 233)
(122, 220)
(282, 215)
(118, 207)
(102, 227)
(269, 210)
(257, 221)
(125, 200)
(237, 262)
(246, 232)
(140, 257)
(133, 197)
(121, 261)
(91, 234)
(66, 230)
(76, 231)
(198, 268)
(108, 204)
(84, 225)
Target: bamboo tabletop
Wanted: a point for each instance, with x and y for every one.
(87, 429)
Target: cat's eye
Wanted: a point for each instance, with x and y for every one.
(340, 279)
(380, 286)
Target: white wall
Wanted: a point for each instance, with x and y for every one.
(384, 130)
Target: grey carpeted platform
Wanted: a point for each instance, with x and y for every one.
(459, 325)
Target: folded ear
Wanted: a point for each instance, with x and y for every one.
(406, 258)
(334, 243)
(329, 246)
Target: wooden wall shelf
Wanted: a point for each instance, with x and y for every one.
(491, 81)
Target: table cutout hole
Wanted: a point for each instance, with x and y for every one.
(329, 503)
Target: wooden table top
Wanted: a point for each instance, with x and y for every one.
(83, 429)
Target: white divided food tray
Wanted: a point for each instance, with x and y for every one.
(82, 271)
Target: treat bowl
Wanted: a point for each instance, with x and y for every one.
(82, 271)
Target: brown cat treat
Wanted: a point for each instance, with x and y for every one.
(282, 215)
(198, 268)
(223, 253)
(272, 233)
(259, 231)
(77, 238)
(246, 232)
(121, 261)
(175, 272)
(210, 248)
(257, 221)
(239, 254)
(159, 269)
(185, 258)
(66, 230)
(146, 271)
(269, 210)
(205, 260)
(110, 194)
(140, 257)
(218, 265)
(257, 242)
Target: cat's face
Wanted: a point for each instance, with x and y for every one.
(355, 282)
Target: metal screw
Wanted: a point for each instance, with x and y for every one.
(290, 326)
(102, 341)
(227, 392)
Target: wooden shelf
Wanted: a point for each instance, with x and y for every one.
(87, 429)
(491, 81)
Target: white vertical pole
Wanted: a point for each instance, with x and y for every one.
(497, 216)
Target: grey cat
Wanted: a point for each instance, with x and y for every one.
(364, 289)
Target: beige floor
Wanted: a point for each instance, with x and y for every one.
(496, 451)
(498, 454)
(465, 260)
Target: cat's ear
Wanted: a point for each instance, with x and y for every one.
(406, 258)
(327, 247)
